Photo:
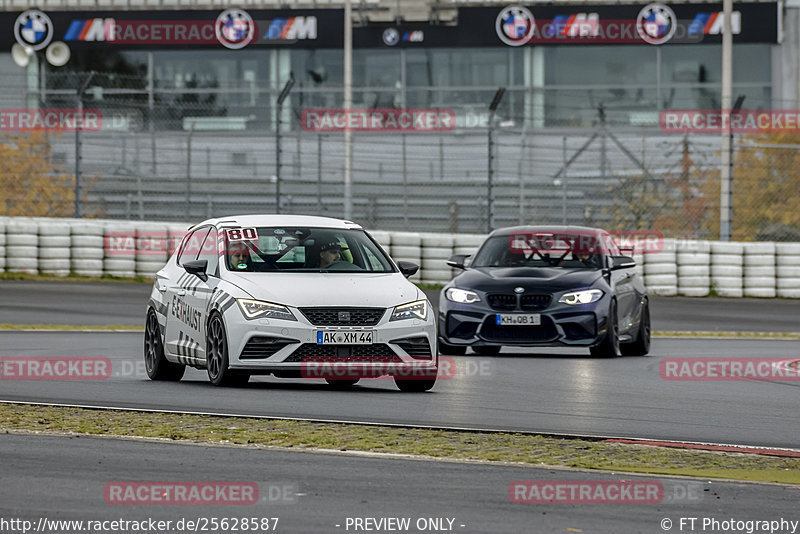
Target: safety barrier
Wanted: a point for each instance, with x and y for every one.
(128, 248)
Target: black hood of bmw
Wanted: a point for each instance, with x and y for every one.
(531, 278)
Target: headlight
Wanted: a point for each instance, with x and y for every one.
(581, 297)
(412, 310)
(463, 296)
(253, 309)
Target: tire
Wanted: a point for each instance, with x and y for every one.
(155, 363)
(217, 356)
(341, 384)
(451, 350)
(641, 346)
(487, 351)
(414, 386)
(609, 347)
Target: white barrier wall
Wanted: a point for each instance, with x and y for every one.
(128, 248)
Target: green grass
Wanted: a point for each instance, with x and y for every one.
(532, 450)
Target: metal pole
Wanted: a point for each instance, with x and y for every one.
(405, 184)
(189, 171)
(151, 106)
(279, 111)
(489, 203)
(498, 96)
(319, 173)
(78, 160)
(278, 158)
(348, 103)
(725, 196)
(78, 151)
(564, 184)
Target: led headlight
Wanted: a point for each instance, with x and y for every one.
(463, 296)
(412, 310)
(254, 309)
(581, 297)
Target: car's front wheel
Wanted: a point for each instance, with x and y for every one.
(217, 356)
(609, 347)
(417, 385)
(641, 346)
(155, 363)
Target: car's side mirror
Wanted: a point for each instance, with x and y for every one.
(622, 262)
(408, 268)
(458, 261)
(197, 268)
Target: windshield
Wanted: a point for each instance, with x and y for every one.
(295, 249)
(505, 251)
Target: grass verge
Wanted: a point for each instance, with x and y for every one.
(533, 450)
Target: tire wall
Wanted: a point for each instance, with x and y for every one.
(94, 247)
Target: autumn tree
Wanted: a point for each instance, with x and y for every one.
(30, 185)
(766, 189)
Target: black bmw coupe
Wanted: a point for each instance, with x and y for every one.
(545, 286)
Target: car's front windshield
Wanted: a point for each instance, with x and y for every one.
(302, 249)
(511, 251)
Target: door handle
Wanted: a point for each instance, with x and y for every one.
(181, 292)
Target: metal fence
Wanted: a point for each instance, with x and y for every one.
(196, 153)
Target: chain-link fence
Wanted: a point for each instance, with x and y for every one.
(167, 153)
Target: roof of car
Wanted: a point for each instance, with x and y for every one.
(281, 220)
(549, 230)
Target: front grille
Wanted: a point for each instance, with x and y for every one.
(534, 302)
(264, 347)
(416, 347)
(377, 352)
(502, 302)
(518, 333)
(343, 316)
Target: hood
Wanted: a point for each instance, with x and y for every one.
(531, 278)
(333, 289)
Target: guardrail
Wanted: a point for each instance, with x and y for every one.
(94, 247)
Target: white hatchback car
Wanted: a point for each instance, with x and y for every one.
(292, 296)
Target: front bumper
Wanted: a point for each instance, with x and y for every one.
(267, 345)
(561, 325)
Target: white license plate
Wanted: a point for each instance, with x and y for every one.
(530, 319)
(338, 337)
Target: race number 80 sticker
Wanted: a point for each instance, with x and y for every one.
(242, 234)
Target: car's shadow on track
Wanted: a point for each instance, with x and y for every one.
(364, 386)
(544, 355)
